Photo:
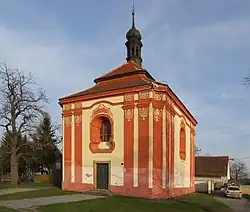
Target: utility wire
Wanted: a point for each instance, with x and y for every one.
(244, 158)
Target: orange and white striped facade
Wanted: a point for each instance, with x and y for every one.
(151, 153)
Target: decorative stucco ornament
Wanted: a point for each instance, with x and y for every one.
(67, 121)
(157, 114)
(128, 114)
(78, 105)
(128, 97)
(78, 119)
(143, 113)
(67, 107)
(144, 95)
(157, 96)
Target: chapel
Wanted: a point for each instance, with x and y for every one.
(128, 134)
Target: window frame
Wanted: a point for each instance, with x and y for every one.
(183, 142)
(95, 134)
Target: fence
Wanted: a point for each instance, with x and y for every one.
(245, 189)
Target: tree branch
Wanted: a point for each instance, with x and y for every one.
(6, 126)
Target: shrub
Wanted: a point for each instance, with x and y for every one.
(247, 196)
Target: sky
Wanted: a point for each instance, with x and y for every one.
(201, 49)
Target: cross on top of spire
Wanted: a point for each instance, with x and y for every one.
(134, 43)
(133, 15)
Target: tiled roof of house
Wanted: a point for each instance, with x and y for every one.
(211, 166)
(125, 69)
(115, 84)
(122, 69)
(128, 76)
(125, 76)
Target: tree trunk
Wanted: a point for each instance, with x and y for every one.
(2, 176)
(14, 168)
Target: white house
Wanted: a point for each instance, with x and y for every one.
(211, 170)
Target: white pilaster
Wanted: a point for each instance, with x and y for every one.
(83, 148)
(135, 176)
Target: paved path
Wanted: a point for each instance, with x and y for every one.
(237, 205)
(31, 203)
(17, 190)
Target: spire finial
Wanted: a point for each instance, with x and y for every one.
(134, 44)
(133, 15)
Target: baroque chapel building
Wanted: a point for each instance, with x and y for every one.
(128, 134)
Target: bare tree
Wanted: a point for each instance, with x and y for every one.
(20, 107)
(246, 81)
(239, 170)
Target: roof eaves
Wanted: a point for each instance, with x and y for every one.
(130, 73)
(196, 122)
(101, 93)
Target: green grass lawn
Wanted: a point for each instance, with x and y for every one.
(206, 202)
(2, 209)
(192, 203)
(38, 193)
(25, 185)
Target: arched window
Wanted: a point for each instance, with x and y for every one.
(105, 130)
(182, 144)
(101, 131)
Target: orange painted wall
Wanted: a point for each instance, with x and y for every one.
(157, 148)
(143, 148)
(144, 133)
(78, 147)
(167, 147)
(67, 149)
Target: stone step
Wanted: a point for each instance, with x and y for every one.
(100, 192)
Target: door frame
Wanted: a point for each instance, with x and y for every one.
(95, 162)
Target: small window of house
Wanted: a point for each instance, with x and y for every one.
(182, 144)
